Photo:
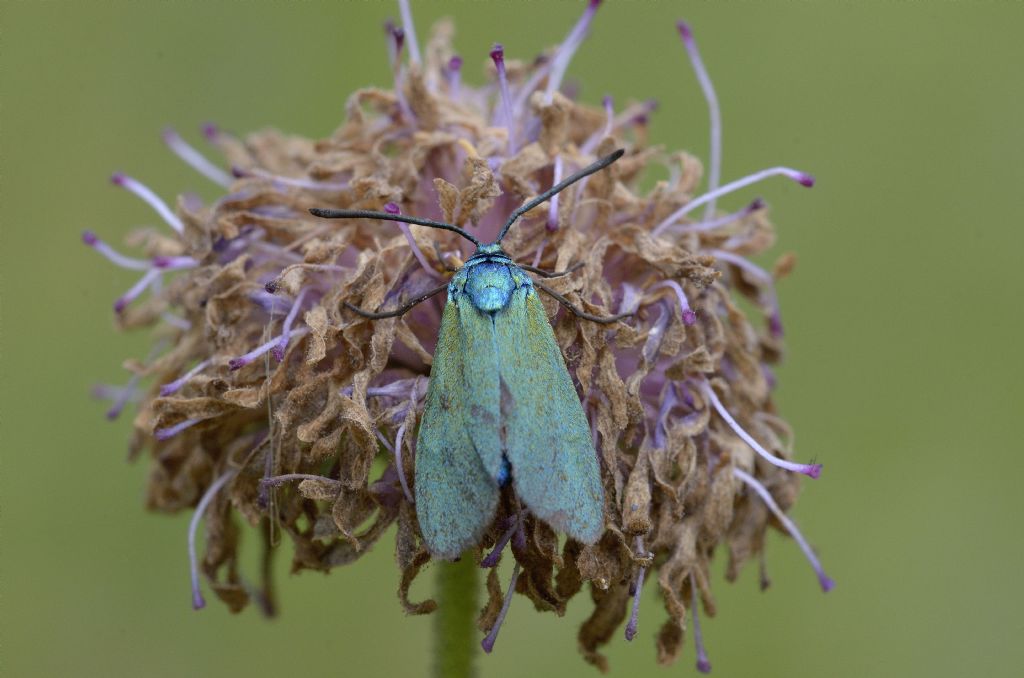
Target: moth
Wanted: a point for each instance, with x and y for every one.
(500, 407)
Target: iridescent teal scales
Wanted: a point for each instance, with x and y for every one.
(500, 393)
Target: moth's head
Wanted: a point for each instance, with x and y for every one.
(491, 248)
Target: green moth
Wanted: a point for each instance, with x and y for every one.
(501, 408)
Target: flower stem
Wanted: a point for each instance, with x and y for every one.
(454, 621)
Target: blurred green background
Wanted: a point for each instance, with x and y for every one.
(903, 372)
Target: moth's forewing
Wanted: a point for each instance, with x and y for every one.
(456, 496)
(548, 442)
(480, 382)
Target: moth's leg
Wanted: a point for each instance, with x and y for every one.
(552, 274)
(580, 312)
(401, 310)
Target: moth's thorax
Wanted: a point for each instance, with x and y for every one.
(489, 278)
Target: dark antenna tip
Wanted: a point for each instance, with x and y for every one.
(559, 187)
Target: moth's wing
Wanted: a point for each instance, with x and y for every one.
(456, 497)
(481, 383)
(548, 442)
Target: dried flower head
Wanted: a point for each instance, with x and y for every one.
(272, 402)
